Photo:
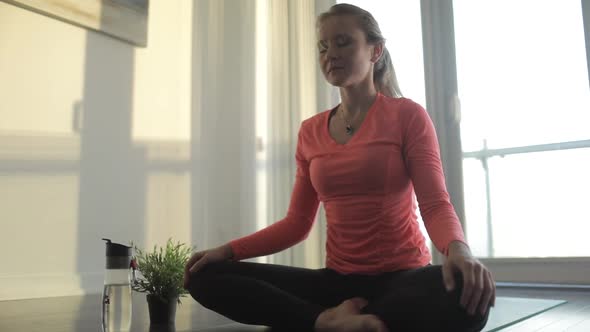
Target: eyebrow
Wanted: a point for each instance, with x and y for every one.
(340, 35)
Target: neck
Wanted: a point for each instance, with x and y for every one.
(357, 99)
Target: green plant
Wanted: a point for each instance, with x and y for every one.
(162, 270)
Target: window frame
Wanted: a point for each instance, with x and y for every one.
(444, 107)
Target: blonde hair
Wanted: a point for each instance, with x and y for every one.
(383, 73)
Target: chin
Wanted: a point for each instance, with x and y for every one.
(337, 83)
(336, 79)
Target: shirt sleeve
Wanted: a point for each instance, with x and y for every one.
(296, 225)
(422, 157)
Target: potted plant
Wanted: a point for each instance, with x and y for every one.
(161, 277)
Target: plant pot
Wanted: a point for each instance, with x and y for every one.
(162, 312)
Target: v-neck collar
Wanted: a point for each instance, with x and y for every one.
(358, 131)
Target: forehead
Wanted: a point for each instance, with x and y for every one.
(338, 25)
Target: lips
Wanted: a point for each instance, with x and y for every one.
(334, 68)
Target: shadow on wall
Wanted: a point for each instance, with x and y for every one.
(113, 174)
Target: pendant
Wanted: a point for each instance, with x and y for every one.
(349, 130)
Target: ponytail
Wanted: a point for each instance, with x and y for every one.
(384, 76)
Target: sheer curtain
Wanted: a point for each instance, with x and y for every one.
(223, 164)
(290, 90)
(256, 79)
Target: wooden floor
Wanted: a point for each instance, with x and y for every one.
(82, 313)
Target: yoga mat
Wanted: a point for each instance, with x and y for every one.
(511, 310)
(508, 311)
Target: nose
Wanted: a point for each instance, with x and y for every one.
(331, 53)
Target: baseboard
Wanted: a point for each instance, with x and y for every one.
(30, 286)
(523, 285)
(549, 270)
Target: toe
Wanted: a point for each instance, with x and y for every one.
(359, 302)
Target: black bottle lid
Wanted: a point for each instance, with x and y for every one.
(116, 249)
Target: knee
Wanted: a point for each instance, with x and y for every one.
(458, 289)
(474, 322)
(197, 285)
(434, 274)
(201, 285)
(479, 321)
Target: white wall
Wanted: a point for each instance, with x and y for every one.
(99, 138)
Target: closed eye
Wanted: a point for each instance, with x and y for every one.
(339, 41)
(342, 41)
(322, 46)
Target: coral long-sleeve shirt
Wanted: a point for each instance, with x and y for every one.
(369, 187)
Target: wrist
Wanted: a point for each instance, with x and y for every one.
(459, 248)
(228, 252)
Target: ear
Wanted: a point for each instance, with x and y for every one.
(377, 52)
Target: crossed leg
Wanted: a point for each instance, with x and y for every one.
(416, 300)
(281, 296)
(297, 299)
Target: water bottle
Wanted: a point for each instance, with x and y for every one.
(116, 295)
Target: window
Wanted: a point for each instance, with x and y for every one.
(523, 84)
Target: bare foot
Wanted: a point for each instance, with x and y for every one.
(347, 317)
(358, 302)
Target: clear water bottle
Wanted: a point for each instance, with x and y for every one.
(116, 295)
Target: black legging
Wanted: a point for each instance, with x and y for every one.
(291, 298)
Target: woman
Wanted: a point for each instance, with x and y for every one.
(365, 159)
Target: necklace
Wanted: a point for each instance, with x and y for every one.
(349, 127)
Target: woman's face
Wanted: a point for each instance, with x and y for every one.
(346, 59)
